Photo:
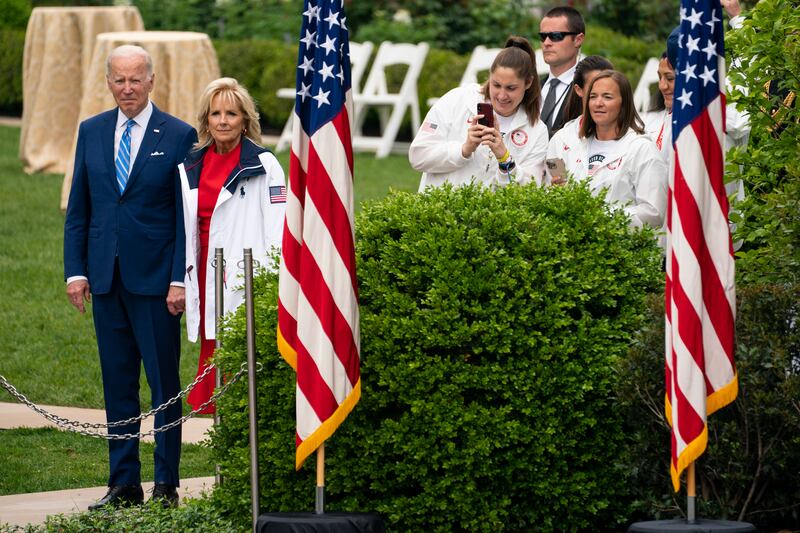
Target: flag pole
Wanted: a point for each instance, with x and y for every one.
(319, 506)
(219, 295)
(690, 494)
(251, 381)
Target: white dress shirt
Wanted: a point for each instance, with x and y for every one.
(565, 80)
(137, 131)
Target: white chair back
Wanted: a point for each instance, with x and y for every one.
(391, 105)
(641, 95)
(359, 57)
(480, 60)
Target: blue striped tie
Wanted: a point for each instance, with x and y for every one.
(123, 161)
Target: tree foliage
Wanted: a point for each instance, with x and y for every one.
(767, 80)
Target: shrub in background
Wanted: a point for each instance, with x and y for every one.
(14, 14)
(628, 54)
(749, 471)
(11, 70)
(768, 47)
(491, 326)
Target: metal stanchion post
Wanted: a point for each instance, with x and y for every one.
(219, 288)
(251, 379)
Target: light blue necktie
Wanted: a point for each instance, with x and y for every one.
(123, 161)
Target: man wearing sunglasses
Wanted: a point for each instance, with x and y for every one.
(561, 32)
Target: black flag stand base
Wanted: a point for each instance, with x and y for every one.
(699, 526)
(320, 523)
(690, 523)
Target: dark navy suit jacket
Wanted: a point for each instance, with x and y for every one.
(143, 226)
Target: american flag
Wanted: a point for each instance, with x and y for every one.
(318, 318)
(700, 297)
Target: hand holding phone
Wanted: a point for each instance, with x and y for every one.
(485, 109)
(557, 170)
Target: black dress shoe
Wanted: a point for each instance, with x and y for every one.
(165, 494)
(119, 495)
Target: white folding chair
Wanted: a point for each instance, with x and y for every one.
(641, 96)
(480, 60)
(376, 94)
(359, 57)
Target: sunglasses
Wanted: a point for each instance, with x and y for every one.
(556, 36)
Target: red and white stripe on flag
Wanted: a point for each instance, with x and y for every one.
(318, 317)
(700, 298)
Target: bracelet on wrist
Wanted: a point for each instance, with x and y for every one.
(505, 157)
(507, 164)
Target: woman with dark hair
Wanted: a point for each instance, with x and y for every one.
(613, 153)
(585, 71)
(455, 145)
(658, 122)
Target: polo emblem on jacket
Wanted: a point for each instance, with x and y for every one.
(241, 192)
(277, 194)
(519, 137)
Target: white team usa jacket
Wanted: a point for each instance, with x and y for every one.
(436, 149)
(635, 175)
(249, 213)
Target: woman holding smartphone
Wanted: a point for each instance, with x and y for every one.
(585, 71)
(503, 142)
(613, 153)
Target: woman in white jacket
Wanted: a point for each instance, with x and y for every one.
(452, 147)
(611, 150)
(234, 197)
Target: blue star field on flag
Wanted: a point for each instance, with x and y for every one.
(697, 73)
(323, 63)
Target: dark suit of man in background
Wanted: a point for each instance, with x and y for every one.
(124, 247)
(561, 32)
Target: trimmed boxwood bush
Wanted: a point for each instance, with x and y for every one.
(491, 326)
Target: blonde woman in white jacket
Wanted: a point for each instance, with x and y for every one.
(611, 150)
(234, 197)
(452, 147)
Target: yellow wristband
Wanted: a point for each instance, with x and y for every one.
(505, 157)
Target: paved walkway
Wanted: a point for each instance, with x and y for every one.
(33, 508)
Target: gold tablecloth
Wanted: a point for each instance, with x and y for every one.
(183, 64)
(59, 43)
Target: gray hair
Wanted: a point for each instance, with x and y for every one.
(130, 50)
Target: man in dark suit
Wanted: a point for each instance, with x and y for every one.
(561, 32)
(124, 248)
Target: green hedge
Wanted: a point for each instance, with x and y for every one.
(491, 326)
(11, 70)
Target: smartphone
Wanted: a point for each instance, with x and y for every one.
(556, 167)
(485, 109)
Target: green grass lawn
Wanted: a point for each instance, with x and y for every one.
(37, 460)
(47, 349)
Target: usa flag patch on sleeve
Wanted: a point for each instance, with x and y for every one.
(277, 194)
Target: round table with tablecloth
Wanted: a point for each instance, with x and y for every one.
(184, 63)
(59, 44)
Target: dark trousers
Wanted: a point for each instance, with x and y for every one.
(133, 329)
